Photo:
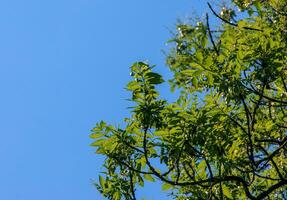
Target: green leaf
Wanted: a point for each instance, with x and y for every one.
(148, 177)
(140, 181)
(137, 67)
(101, 151)
(143, 161)
(232, 152)
(210, 78)
(220, 59)
(206, 117)
(195, 82)
(201, 165)
(96, 135)
(208, 61)
(154, 78)
(202, 169)
(113, 146)
(133, 85)
(188, 72)
(199, 56)
(102, 181)
(98, 142)
(166, 186)
(268, 125)
(197, 73)
(196, 65)
(241, 24)
(226, 192)
(160, 133)
(117, 195)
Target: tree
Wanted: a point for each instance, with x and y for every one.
(226, 135)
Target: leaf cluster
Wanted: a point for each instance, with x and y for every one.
(225, 137)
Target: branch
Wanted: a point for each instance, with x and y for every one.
(220, 184)
(272, 161)
(247, 114)
(210, 35)
(284, 142)
(187, 172)
(285, 87)
(253, 90)
(132, 147)
(274, 141)
(129, 145)
(256, 107)
(228, 22)
(271, 189)
(128, 166)
(132, 186)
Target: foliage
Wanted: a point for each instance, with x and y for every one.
(225, 137)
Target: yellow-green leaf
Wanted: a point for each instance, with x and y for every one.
(96, 135)
(98, 143)
(117, 195)
(166, 186)
(160, 133)
(195, 82)
(148, 177)
(226, 191)
(102, 181)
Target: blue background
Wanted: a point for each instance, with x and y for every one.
(63, 67)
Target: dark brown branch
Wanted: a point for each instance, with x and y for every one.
(284, 142)
(128, 166)
(247, 114)
(221, 18)
(177, 162)
(285, 86)
(271, 189)
(272, 161)
(273, 141)
(256, 107)
(266, 177)
(187, 172)
(192, 169)
(228, 22)
(220, 184)
(233, 120)
(253, 90)
(236, 123)
(129, 145)
(214, 180)
(132, 147)
(204, 158)
(132, 186)
(210, 35)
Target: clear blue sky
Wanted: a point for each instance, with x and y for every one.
(63, 67)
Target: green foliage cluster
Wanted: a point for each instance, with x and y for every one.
(225, 137)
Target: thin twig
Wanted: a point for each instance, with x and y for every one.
(210, 35)
(228, 22)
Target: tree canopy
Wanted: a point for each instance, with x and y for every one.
(225, 136)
